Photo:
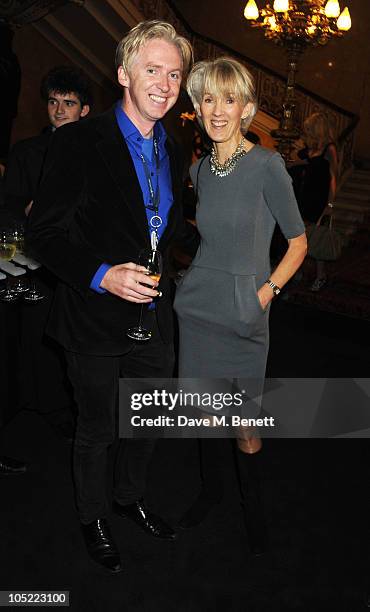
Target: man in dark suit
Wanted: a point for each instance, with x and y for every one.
(93, 215)
(66, 91)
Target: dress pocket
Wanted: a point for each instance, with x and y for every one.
(248, 311)
(262, 310)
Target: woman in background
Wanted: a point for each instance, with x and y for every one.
(315, 177)
(223, 301)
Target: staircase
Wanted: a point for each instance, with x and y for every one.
(352, 204)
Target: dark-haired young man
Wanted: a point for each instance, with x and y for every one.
(43, 386)
(67, 93)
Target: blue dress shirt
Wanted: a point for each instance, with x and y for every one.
(137, 146)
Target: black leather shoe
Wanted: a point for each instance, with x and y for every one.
(149, 522)
(11, 467)
(101, 546)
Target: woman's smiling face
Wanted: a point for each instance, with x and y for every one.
(221, 116)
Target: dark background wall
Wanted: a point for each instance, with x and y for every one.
(36, 56)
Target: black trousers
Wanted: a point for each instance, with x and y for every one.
(95, 380)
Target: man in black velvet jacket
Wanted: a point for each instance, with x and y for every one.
(89, 222)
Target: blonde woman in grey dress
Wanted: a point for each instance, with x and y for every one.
(223, 301)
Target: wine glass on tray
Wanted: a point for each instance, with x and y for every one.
(7, 252)
(33, 294)
(8, 246)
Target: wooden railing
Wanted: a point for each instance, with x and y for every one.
(270, 86)
(346, 147)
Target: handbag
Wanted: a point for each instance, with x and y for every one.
(324, 242)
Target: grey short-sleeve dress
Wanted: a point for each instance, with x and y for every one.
(223, 328)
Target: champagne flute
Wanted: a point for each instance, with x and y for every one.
(30, 289)
(18, 237)
(8, 246)
(20, 285)
(33, 294)
(151, 260)
(7, 252)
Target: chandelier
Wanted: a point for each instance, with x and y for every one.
(300, 23)
(296, 25)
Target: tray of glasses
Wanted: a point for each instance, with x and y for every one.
(16, 264)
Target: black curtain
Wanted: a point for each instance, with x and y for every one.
(10, 82)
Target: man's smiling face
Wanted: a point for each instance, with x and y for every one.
(152, 84)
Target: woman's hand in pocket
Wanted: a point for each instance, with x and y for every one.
(265, 295)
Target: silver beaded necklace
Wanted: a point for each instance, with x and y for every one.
(229, 165)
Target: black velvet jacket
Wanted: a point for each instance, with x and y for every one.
(23, 172)
(90, 210)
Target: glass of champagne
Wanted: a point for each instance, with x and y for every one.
(32, 294)
(20, 285)
(18, 237)
(151, 260)
(7, 252)
(8, 246)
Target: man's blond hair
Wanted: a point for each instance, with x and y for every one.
(146, 31)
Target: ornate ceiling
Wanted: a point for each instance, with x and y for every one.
(20, 12)
(85, 31)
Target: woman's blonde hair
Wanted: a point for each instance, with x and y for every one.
(317, 131)
(222, 77)
(145, 31)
